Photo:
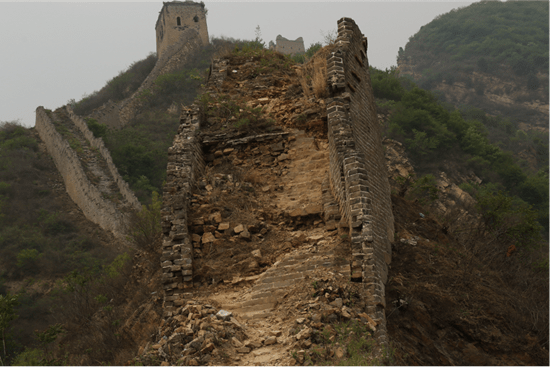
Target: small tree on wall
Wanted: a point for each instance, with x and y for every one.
(258, 40)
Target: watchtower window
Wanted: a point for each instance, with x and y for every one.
(196, 19)
(178, 21)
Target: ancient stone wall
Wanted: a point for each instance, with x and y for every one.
(289, 47)
(358, 177)
(89, 199)
(174, 58)
(175, 17)
(185, 165)
(97, 143)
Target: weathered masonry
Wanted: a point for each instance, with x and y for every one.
(358, 177)
(185, 166)
(174, 18)
(288, 47)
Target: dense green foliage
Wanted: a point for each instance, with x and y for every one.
(512, 32)
(434, 133)
(36, 236)
(489, 36)
(140, 151)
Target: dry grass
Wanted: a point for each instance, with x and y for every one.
(313, 75)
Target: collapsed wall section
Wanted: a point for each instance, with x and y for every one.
(83, 192)
(185, 166)
(175, 57)
(357, 169)
(97, 143)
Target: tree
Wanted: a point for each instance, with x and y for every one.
(7, 314)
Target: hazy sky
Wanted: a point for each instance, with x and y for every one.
(52, 52)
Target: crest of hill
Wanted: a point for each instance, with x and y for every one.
(491, 55)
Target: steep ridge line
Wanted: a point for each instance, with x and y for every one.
(100, 201)
(118, 115)
(357, 179)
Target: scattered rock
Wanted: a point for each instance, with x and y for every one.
(237, 343)
(208, 237)
(224, 315)
(245, 234)
(243, 350)
(337, 303)
(223, 226)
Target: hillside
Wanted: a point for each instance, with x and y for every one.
(43, 234)
(490, 55)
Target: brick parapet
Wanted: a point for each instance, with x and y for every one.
(98, 143)
(83, 192)
(357, 170)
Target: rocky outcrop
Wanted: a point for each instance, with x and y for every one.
(496, 95)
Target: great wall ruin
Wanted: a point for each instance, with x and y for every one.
(337, 188)
(352, 164)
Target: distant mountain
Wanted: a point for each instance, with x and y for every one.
(491, 55)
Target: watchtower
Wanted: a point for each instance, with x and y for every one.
(174, 18)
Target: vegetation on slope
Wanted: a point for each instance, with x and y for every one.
(442, 137)
(484, 36)
(121, 86)
(40, 240)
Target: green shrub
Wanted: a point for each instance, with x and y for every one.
(99, 130)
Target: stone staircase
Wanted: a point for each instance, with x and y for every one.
(271, 286)
(303, 195)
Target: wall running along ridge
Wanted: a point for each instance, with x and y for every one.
(84, 193)
(97, 143)
(185, 166)
(358, 174)
(173, 58)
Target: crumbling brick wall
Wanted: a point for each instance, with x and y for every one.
(185, 165)
(289, 47)
(357, 169)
